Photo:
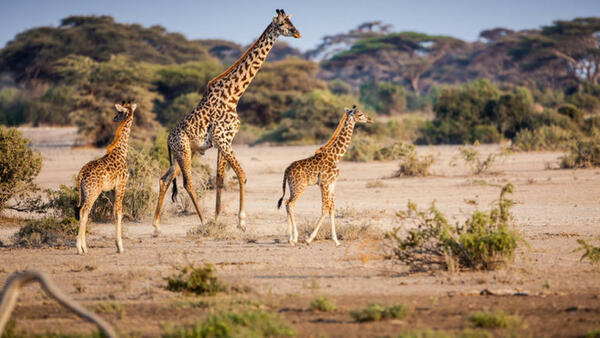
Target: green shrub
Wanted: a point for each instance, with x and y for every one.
(310, 118)
(490, 320)
(251, 323)
(484, 241)
(19, 166)
(586, 102)
(383, 97)
(573, 113)
(410, 163)
(592, 125)
(483, 133)
(544, 138)
(13, 106)
(584, 153)
(195, 279)
(376, 312)
(323, 304)
(47, 231)
(589, 251)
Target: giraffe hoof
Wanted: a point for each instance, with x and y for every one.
(156, 233)
(337, 244)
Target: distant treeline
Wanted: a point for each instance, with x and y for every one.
(488, 90)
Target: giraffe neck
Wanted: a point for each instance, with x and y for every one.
(339, 145)
(238, 76)
(121, 141)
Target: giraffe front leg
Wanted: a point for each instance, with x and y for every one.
(326, 198)
(332, 213)
(221, 170)
(226, 151)
(118, 210)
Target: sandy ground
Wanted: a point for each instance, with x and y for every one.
(553, 209)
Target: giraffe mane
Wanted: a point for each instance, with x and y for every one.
(117, 136)
(335, 133)
(237, 63)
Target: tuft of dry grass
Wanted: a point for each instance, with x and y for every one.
(374, 184)
(346, 232)
(219, 230)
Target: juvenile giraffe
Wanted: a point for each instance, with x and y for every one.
(322, 169)
(106, 173)
(214, 122)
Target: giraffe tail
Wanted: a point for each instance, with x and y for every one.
(77, 208)
(282, 196)
(174, 194)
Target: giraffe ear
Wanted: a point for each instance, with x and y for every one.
(347, 110)
(119, 107)
(133, 106)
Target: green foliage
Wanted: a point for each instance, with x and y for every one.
(19, 165)
(47, 231)
(251, 323)
(99, 85)
(589, 251)
(573, 113)
(490, 320)
(544, 138)
(31, 55)
(12, 106)
(376, 312)
(592, 334)
(383, 97)
(485, 240)
(276, 87)
(312, 117)
(175, 80)
(323, 304)
(181, 106)
(479, 112)
(364, 149)
(195, 279)
(583, 153)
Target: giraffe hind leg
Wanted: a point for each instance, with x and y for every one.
(164, 183)
(185, 163)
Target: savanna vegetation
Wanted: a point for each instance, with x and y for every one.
(536, 87)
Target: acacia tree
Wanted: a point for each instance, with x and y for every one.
(405, 57)
(573, 46)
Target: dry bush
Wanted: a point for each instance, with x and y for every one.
(347, 232)
(592, 253)
(411, 164)
(374, 184)
(47, 231)
(584, 153)
(484, 241)
(19, 166)
(477, 164)
(217, 230)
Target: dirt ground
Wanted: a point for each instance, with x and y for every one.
(548, 286)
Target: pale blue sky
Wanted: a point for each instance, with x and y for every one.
(243, 21)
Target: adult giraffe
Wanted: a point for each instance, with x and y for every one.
(214, 122)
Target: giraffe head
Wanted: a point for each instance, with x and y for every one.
(357, 115)
(283, 25)
(124, 110)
